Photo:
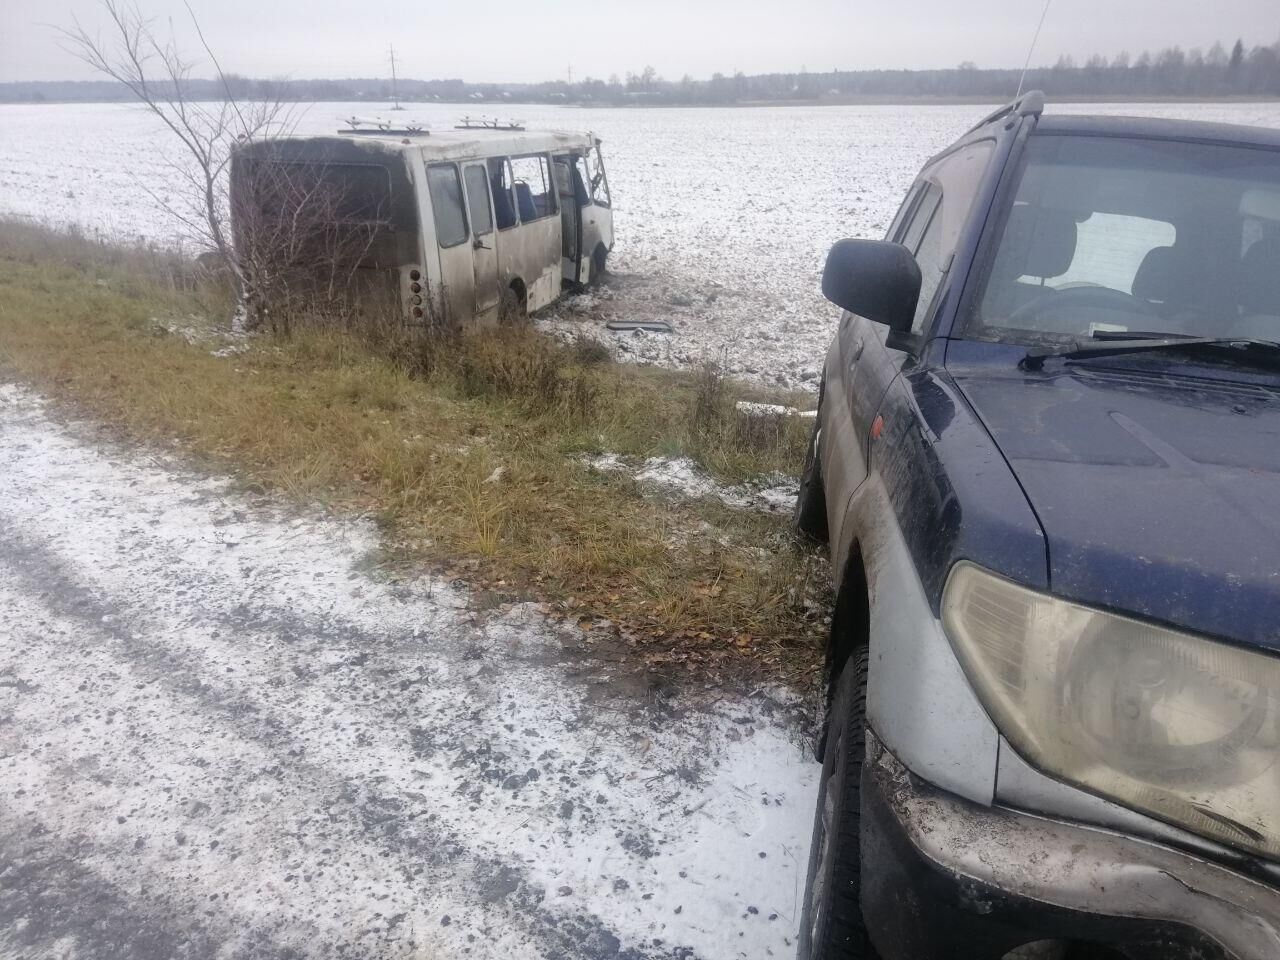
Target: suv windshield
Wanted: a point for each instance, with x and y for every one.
(1150, 236)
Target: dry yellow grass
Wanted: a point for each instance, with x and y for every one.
(472, 456)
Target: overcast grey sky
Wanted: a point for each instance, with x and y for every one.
(496, 40)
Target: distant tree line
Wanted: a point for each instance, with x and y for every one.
(1218, 72)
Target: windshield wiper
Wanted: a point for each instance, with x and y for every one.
(1143, 335)
(1111, 344)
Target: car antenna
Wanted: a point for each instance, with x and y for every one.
(1030, 50)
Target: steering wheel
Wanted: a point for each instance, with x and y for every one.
(1079, 298)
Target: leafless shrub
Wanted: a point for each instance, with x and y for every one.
(590, 352)
(291, 250)
(763, 431)
(711, 403)
(302, 235)
(497, 365)
(525, 367)
(422, 353)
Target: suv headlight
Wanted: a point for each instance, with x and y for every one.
(1169, 723)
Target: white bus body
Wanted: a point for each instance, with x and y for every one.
(470, 224)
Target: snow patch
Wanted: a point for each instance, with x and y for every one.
(681, 476)
(753, 409)
(199, 332)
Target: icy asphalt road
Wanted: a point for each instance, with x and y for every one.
(224, 734)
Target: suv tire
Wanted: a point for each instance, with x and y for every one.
(831, 926)
(810, 517)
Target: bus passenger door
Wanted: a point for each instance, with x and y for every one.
(597, 212)
(484, 253)
(570, 220)
(536, 256)
(452, 240)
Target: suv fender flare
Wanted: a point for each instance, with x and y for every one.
(920, 705)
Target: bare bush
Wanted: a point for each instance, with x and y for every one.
(301, 237)
(158, 75)
(522, 366)
(287, 241)
(590, 352)
(763, 431)
(711, 405)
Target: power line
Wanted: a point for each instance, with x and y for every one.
(395, 92)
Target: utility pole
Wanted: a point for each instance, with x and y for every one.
(571, 74)
(395, 93)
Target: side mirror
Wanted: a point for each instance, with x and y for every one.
(875, 279)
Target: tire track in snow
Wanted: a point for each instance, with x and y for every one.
(49, 901)
(239, 723)
(344, 731)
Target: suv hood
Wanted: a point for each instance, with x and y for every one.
(1159, 494)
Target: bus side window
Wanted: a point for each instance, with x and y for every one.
(504, 201)
(478, 199)
(599, 182)
(535, 190)
(446, 204)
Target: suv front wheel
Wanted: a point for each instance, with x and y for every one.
(831, 926)
(810, 517)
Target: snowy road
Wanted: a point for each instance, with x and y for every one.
(224, 734)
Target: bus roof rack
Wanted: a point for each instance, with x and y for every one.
(488, 123)
(1029, 104)
(380, 125)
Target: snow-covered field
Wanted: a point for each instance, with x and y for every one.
(724, 215)
(223, 734)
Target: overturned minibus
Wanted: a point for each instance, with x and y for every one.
(461, 227)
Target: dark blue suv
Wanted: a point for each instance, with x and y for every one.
(1047, 460)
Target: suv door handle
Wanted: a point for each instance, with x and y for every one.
(857, 351)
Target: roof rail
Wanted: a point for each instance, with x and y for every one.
(380, 125)
(488, 123)
(1030, 103)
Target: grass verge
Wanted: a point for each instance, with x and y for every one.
(470, 451)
